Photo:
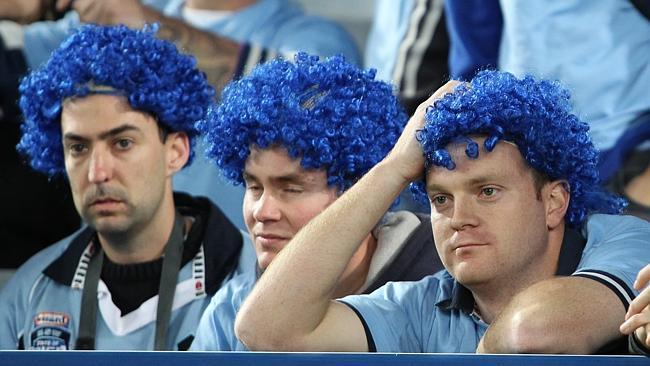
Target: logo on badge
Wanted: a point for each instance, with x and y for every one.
(51, 331)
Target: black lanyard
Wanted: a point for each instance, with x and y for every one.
(168, 279)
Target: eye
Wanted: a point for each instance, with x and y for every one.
(123, 144)
(253, 188)
(489, 192)
(77, 149)
(292, 190)
(439, 200)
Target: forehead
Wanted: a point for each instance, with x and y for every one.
(100, 112)
(504, 162)
(275, 163)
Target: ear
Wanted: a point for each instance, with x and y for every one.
(557, 198)
(178, 151)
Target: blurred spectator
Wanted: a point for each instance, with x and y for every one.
(36, 211)
(408, 46)
(600, 50)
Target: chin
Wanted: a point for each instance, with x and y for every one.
(264, 260)
(467, 276)
(109, 225)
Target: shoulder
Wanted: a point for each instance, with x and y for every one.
(225, 304)
(29, 272)
(616, 250)
(408, 294)
(16, 295)
(428, 287)
(396, 315)
(221, 240)
(235, 290)
(613, 231)
(598, 225)
(215, 330)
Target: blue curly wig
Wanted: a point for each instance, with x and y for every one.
(330, 114)
(533, 114)
(149, 72)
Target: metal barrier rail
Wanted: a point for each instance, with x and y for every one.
(138, 358)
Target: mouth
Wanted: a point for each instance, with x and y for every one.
(105, 203)
(271, 240)
(103, 200)
(467, 246)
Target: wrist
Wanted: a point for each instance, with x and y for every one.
(401, 171)
(390, 173)
(636, 346)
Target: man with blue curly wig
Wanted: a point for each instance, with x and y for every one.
(115, 110)
(532, 247)
(297, 135)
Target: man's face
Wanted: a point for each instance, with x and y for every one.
(115, 161)
(281, 197)
(488, 222)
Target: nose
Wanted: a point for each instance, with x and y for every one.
(464, 215)
(100, 168)
(267, 208)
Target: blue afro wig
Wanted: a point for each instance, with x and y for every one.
(330, 114)
(533, 114)
(149, 72)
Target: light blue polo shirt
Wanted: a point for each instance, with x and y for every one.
(435, 314)
(216, 330)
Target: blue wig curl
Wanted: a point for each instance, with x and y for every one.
(330, 114)
(533, 114)
(149, 72)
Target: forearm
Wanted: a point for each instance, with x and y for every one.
(216, 56)
(291, 300)
(21, 11)
(572, 315)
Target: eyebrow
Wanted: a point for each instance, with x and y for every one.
(283, 179)
(104, 135)
(481, 180)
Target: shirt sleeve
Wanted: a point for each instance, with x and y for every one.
(636, 347)
(393, 316)
(617, 248)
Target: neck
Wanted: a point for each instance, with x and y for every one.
(356, 272)
(142, 243)
(491, 297)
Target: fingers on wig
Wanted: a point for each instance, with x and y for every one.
(329, 114)
(150, 73)
(533, 114)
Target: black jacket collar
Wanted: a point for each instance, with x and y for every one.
(221, 240)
